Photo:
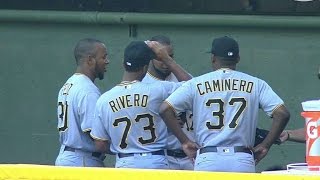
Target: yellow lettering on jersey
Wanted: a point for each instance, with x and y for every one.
(122, 100)
(136, 98)
(113, 106)
(119, 107)
(242, 85)
(207, 85)
(66, 88)
(249, 87)
(225, 85)
(144, 101)
(215, 85)
(199, 89)
(235, 85)
(128, 100)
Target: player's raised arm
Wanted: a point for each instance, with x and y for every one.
(163, 56)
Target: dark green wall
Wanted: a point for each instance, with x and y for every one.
(36, 59)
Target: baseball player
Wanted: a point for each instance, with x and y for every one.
(127, 115)
(75, 108)
(225, 105)
(158, 71)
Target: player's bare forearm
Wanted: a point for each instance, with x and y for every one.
(281, 117)
(297, 135)
(177, 70)
(169, 117)
(102, 146)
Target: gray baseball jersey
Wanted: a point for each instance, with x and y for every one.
(225, 105)
(173, 142)
(76, 102)
(127, 116)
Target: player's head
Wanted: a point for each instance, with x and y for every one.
(137, 56)
(225, 52)
(158, 68)
(91, 56)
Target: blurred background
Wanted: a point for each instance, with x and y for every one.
(269, 7)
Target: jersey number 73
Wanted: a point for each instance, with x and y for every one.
(150, 128)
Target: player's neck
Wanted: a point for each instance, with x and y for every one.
(156, 73)
(86, 72)
(224, 67)
(132, 76)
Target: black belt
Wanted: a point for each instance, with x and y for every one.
(94, 154)
(176, 153)
(122, 155)
(235, 148)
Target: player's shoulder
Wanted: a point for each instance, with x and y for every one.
(258, 82)
(248, 76)
(163, 84)
(83, 84)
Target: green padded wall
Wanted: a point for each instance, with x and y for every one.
(36, 59)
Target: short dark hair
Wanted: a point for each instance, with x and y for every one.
(164, 40)
(84, 48)
(136, 55)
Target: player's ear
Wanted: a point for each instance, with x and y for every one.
(319, 73)
(91, 60)
(213, 58)
(238, 59)
(145, 68)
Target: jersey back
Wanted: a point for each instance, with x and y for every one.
(75, 111)
(127, 115)
(225, 105)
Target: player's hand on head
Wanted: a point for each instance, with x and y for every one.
(260, 151)
(159, 50)
(190, 148)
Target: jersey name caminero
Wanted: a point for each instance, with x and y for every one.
(127, 116)
(225, 105)
(76, 102)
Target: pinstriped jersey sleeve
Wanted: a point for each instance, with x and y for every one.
(182, 98)
(268, 99)
(86, 110)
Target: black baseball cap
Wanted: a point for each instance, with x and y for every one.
(225, 47)
(138, 54)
